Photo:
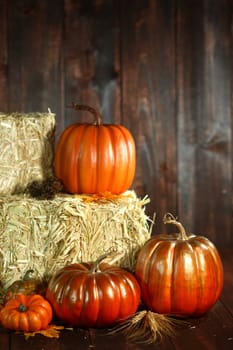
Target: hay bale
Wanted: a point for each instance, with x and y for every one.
(48, 234)
(26, 149)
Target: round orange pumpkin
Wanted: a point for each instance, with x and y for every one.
(179, 275)
(95, 158)
(93, 295)
(28, 313)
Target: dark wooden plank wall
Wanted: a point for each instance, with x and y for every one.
(163, 68)
(204, 113)
(149, 97)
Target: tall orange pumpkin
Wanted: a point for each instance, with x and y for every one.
(95, 158)
(179, 275)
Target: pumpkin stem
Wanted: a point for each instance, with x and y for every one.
(22, 308)
(27, 275)
(97, 262)
(97, 116)
(112, 256)
(170, 219)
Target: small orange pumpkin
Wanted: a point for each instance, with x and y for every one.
(28, 313)
(95, 158)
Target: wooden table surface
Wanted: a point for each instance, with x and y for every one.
(214, 331)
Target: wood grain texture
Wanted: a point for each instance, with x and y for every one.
(4, 339)
(212, 331)
(76, 339)
(148, 98)
(35, 55)
(3, 57)
(91, 58)
(205, 118)
(227, 295)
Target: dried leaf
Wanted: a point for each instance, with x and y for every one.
(102, 197)
(52, 331)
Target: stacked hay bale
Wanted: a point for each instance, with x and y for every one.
(44, 235)
(26, 149)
